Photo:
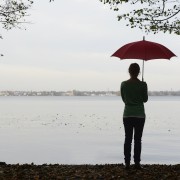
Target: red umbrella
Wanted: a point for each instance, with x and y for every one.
(143, 50)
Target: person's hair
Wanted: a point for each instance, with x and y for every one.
(134, 69)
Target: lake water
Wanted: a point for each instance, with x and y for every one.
(84, 130)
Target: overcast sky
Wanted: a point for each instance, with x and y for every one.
(68, 46)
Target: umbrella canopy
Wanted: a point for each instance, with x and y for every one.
(143, 50)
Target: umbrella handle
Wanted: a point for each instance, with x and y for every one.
(143, 71)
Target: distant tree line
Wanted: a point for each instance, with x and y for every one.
(164, 93)
(81, 93)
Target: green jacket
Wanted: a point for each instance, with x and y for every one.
(134, 94)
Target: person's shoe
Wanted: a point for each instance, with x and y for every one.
(138, 166)
(127, 166)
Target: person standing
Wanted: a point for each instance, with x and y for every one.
(134, 94)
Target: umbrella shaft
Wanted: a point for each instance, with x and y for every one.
(143, 71)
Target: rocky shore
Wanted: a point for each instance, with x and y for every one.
(87, 172)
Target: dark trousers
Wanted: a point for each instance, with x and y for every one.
(136, 125)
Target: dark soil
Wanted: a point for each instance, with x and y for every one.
(88, 172)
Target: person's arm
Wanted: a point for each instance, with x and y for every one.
(145, 92)
(121, 90)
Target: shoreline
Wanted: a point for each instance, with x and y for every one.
(86, 171)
